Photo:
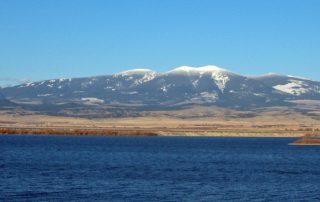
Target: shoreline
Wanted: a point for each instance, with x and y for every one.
(73, 132)
(146, 132)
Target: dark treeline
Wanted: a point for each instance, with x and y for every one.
(75, 132)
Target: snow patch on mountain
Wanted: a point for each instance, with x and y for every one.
(205, 97)
(164, 89)
(195, 83)
(219, 75)
(86, 84)
(30, 84)
(130, 93)
(147, 77)
(295, 87)
(92, 100)
(221, 79)
(210, 97)
(44, 95)
(197, 70)
(134, 72)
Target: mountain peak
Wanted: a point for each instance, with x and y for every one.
(197, 70)
(135, 72)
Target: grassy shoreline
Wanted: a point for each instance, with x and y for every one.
(145, 132)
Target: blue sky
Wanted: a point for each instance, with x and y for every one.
(75, 38)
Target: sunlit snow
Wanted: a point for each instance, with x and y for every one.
(295, 87)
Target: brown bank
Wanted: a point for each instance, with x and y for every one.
(75, 132)
(308, 139)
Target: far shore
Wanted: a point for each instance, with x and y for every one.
(147, 132)
(80, 132)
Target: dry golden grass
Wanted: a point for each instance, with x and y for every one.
(197, 121)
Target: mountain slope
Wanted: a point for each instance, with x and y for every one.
(4, 102)
(295, 86)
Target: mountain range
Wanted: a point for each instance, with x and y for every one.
(182, 86)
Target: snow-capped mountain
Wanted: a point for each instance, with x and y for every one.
(208, 85)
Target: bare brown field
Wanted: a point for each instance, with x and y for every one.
(197, 121)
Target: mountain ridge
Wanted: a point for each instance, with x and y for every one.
(185, 85)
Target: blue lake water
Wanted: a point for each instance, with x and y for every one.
(76, 168)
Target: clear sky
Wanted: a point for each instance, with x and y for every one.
(43, 39)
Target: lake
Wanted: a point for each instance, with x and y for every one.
(88, 168)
